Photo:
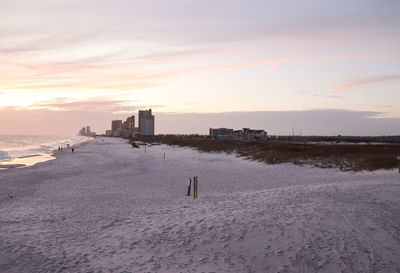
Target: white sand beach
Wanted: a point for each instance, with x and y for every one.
(111, 208)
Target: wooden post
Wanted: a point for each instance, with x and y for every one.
(398, 159)
(194, 187)
(164, 154)
(195, 184)
(190, 183)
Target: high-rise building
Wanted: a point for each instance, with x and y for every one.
(130, 123)
(128, 127)
(116, 127)
(85, 131)
(146, 123)
(82, 132)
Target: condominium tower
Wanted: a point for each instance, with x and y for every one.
(146, 123)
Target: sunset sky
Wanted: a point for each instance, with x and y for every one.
(325, 67)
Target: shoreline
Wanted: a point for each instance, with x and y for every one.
(56, 152)
(31, 160)
(26, 161)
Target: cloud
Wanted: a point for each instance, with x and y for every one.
(118, 70)
(70, 46)
(234, 65)
(328, 96)
(274, 64)
(93, 105)
(109, 84)
(362, 82)
(65, 116)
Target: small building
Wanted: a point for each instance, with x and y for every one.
(221, 133)
(248, 134)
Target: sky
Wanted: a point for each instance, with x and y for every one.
(323, 67)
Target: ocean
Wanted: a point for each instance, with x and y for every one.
(14, 146)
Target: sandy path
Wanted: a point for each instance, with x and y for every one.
(111, 208)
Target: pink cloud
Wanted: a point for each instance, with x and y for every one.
(236, 65)
(274, 64)
(362, 82)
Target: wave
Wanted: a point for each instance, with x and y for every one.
(21, 146)
(4, 155)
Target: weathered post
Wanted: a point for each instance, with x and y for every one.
(194, 187)
(398, 159)
(195, 184)
(164, 154)
(188, 190)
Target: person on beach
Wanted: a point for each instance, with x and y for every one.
(72, 150)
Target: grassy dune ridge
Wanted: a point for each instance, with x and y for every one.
(347, 157)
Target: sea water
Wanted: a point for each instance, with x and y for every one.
(15, 146)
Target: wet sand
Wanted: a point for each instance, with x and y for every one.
(26, 161)
(30, 160)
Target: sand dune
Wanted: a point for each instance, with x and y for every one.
(111, 208)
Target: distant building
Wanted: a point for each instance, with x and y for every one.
(221, 133)
(249, 134)
(246, 134)
(130, 123)
(128, 127)
(82, 132)
(116, 128)
(85, 131)
(146, 123)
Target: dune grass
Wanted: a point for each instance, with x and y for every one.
(346, 157)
